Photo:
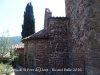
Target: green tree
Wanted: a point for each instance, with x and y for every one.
(28, 26)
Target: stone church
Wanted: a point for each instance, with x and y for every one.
(68, 42)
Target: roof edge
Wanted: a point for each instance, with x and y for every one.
(58, 18)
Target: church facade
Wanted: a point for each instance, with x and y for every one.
(68, 42)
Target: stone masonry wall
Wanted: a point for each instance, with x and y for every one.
(38, 50)
(58, 54)
(84, 29)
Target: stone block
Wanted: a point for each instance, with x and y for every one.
(95, 44)
(97, 29)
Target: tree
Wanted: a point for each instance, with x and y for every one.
(28, 26)
(5, 44)
(5, 48)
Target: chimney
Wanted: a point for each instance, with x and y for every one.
(48, 14)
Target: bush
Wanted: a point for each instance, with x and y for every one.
(6, 69)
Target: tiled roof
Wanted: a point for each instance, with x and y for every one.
(42, 34)
(18, 46)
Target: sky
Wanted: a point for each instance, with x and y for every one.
(12, 11)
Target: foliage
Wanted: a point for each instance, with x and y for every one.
(6, 69)
(5, 44)
(28, 26)
(12, 57)
(5, 47)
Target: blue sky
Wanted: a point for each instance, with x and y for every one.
(12, 11)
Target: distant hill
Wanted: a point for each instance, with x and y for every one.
(15, 39)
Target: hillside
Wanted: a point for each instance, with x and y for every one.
(15, 39)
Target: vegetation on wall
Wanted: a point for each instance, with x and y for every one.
(28, 26)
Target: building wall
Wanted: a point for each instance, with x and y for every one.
(38, 50)
(20, 59)
(58, 53)
(84, 28)
(19, 51)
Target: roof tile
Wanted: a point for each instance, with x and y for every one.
(42, 34)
